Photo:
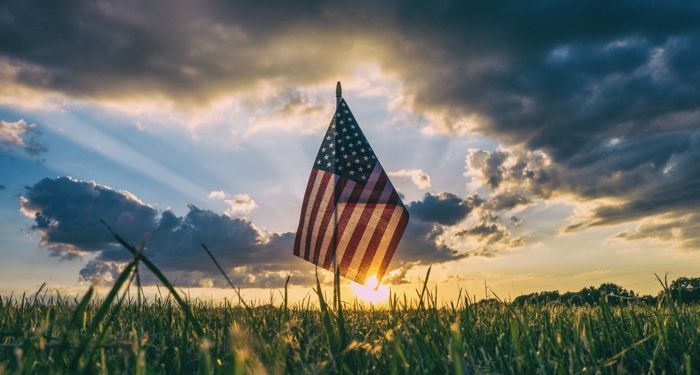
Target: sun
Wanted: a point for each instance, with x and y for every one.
(371, 291)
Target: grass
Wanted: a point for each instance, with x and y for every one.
(172, 334)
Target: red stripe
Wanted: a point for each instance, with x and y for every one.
(359, 230)
(393, 244)
(314, 212)
(342, 223)
(327, 216)
(379, 232)
(309, 187)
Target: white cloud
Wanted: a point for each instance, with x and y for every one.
(21, 135)
(11, 132)
(217, 194)
(239, 204)
(418, 177)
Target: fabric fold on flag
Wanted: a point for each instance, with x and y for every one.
(350, 209)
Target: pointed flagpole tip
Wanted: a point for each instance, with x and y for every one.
(338, 90)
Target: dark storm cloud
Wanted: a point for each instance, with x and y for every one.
(188, 51)
(443, 208)
(494, 235)
(513, 176)
(514, 63)
(607, 92)
(67, 214)
(420, 244)
(653, 175)
(559, 76)
(424, 241)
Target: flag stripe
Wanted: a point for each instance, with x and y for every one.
(327, 245)
(365, 215)
(379, 233)
(346, 231)
(343, 219)
(362, 213)
(389, 252)
(305, 204)
(320, 191)
(324, 214)
(365, 248)
(327, 218)
(384, 243)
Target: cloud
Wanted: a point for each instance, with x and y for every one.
(608, 115)
(238, 204)
(418, 177)
(491, 235)
(683, 230)
(622, 179)
(423, 243)
(288, 109)
(221, 47)
(218, 194)
(433, 234)
(11, 132)
(443, 208)
(67, 213)
(21, 135)
(212, 47)
(512, 175)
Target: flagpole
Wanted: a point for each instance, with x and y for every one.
(336, 278)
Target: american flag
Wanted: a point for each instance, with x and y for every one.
(350, 207)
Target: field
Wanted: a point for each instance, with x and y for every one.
(121, 333)
(60, 335)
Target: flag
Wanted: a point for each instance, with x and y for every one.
(350, 209)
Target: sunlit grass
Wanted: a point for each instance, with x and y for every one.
(171, 334)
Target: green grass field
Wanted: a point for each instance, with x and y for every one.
(62, 335)
(118, 333)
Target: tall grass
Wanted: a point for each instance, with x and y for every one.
(171, 334)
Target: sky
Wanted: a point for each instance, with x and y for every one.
(551, 145)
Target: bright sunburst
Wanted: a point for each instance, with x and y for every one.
(371, 291)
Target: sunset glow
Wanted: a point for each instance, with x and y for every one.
(371, 291)
(555, 161)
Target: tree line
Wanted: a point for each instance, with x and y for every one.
(682, 290)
